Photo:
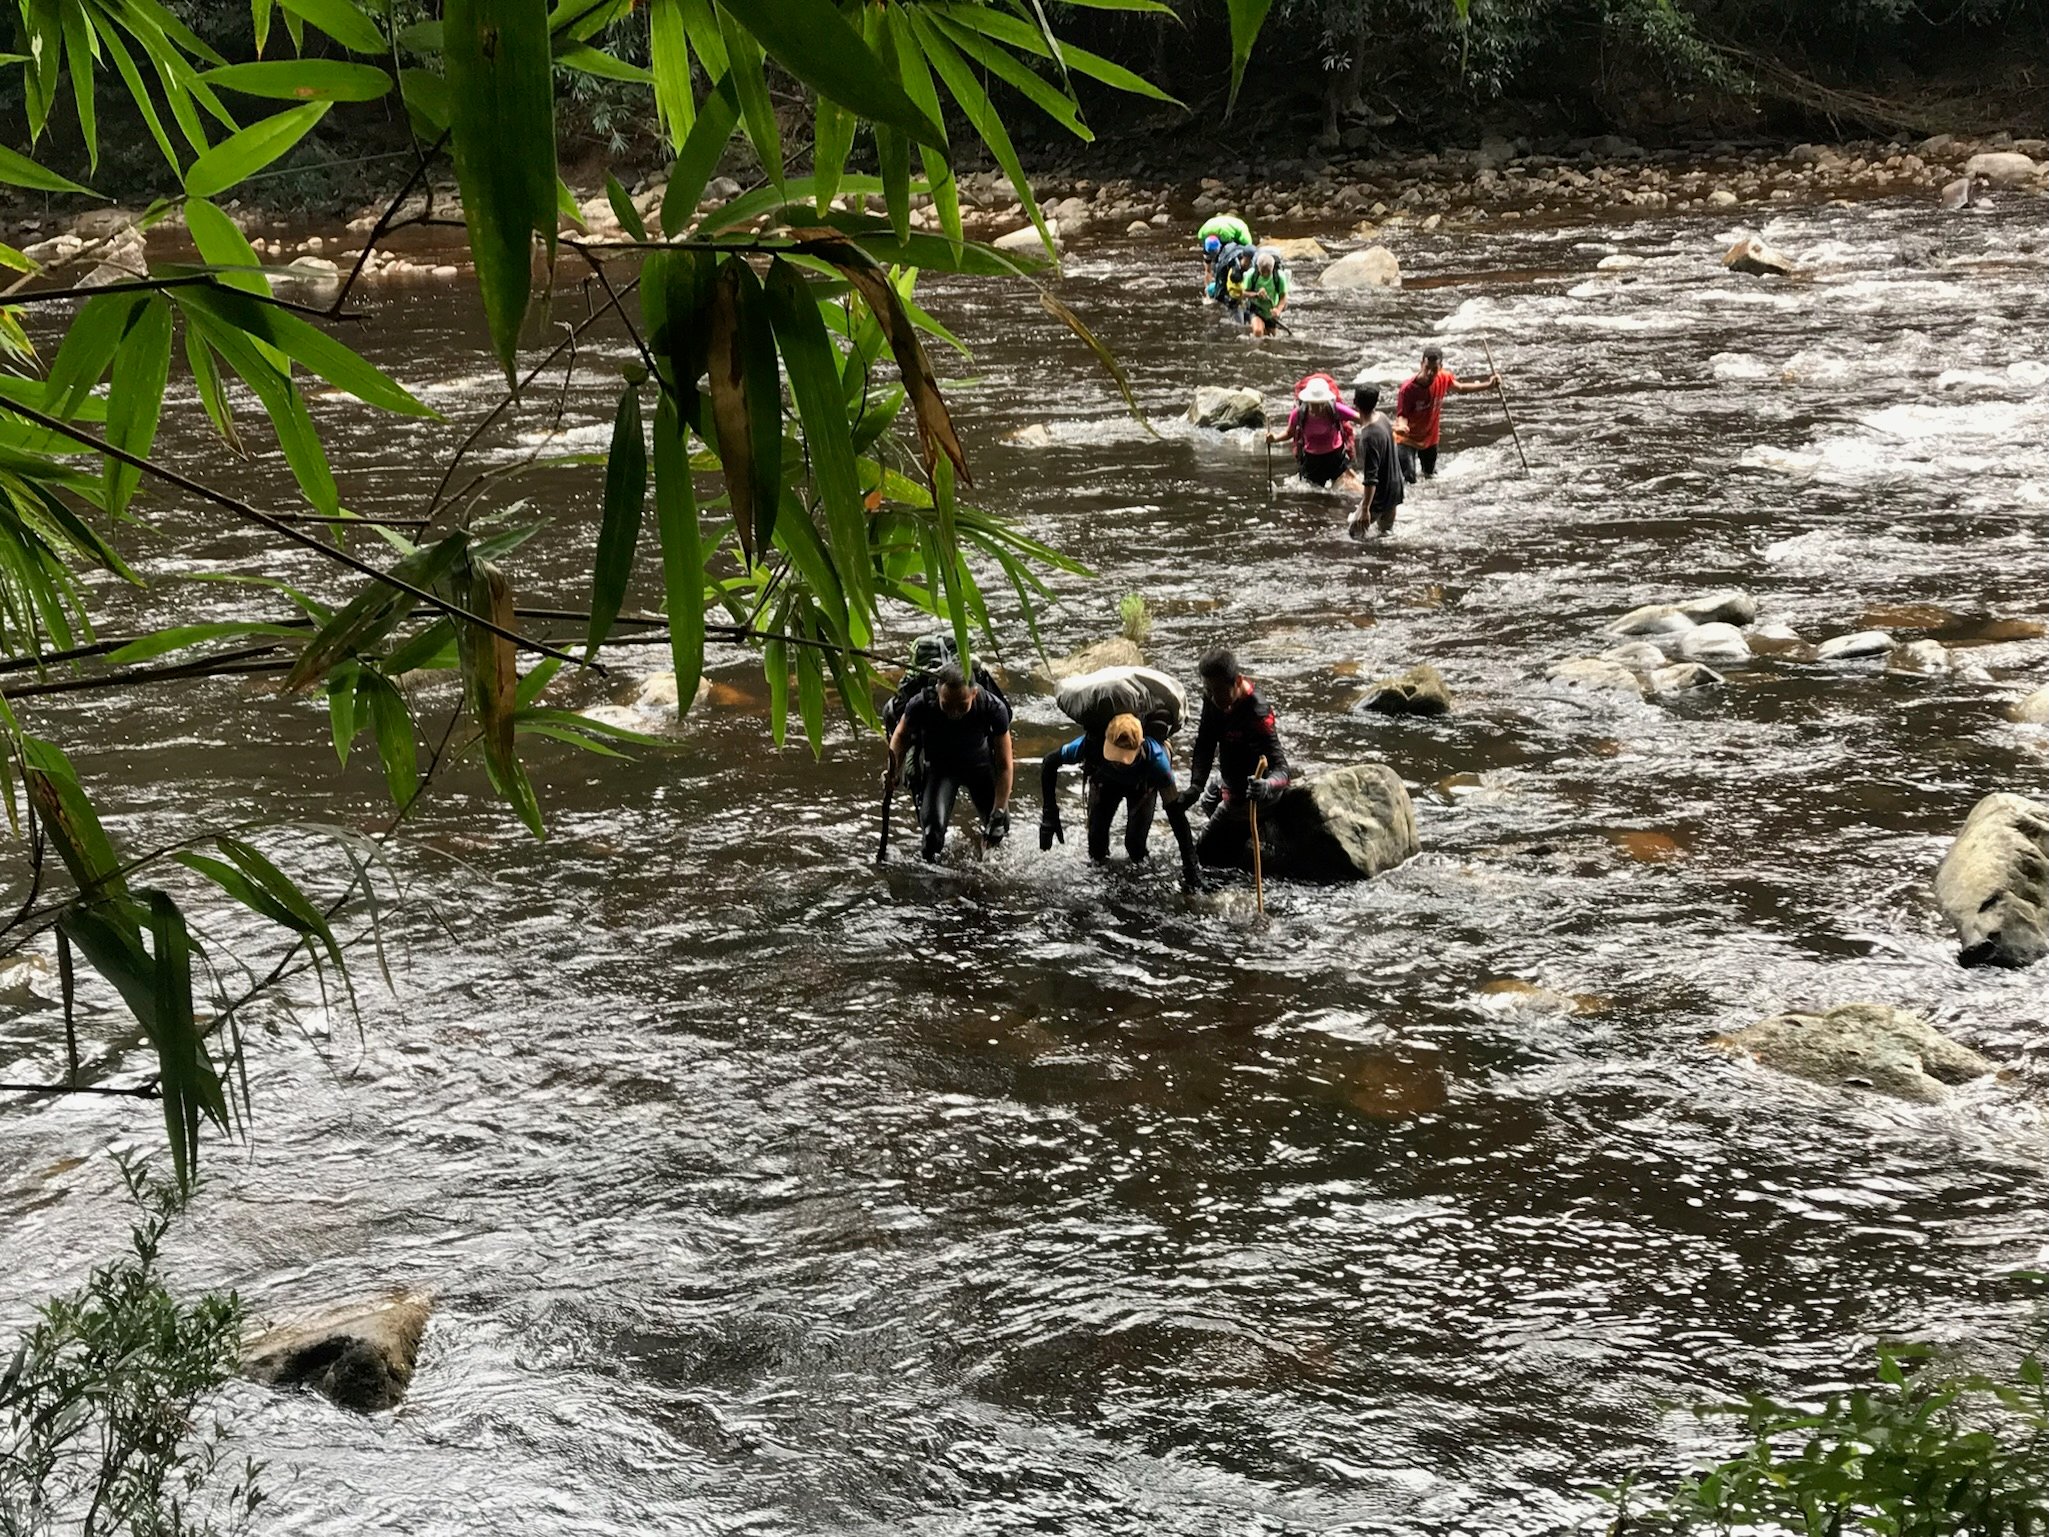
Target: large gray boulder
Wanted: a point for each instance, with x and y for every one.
(1653, 619)
(1419, 691)
(360, 1355)
(1844, 648)
(2003, 168)
(1347, 825)
(2033, 710)
(1713, 642)
(1728, 607)
(1994, 882)
(1862, 1046)
(1374, 267)
(1224, 409)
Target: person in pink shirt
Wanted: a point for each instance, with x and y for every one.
(1320, 428)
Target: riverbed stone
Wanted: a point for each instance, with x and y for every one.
(1636, 655)
(1117, 651)
(1929, 656)
(1862, 1046)
(1682, 678)
(1374, 267)
(1026, 241)
(1957, 195)
(1841, 648)
(1652, 619)
(1304, 249)
(361, 1355)
(1224, 409)
(1419, 691)
(1752, 255)
(1347, 825)
(1713, 642)
(1592, 674)
(1994, 882)
(2003, 168)
(2033, 710)
(1728, 607)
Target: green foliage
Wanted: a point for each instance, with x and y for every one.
(1924, 1451)
(1135, 620)
(100, 1422)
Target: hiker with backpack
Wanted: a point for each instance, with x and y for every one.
(1124, 762)
(1237, 734)
(953, 733)
(1320, 427)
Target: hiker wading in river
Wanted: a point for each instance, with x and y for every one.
(1418, 411)
(1237, 731)
(1374, 458)
(1320, 427)
(963, 734)
(1123, 767)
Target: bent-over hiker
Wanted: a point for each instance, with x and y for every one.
(1123, 767)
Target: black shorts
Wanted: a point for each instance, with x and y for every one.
(1416, 461)
(1323, 469)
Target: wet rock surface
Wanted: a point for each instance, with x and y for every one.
(1865, 1046)
(361, 1356)
(1994, 882)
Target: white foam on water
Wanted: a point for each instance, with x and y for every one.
(1980, 419)
(1739, 365)
(2030, 372)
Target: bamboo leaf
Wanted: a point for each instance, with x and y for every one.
(668, 52)
(342, 682)
(308, 346)
(303, 80)
(81, 47)
(832, 140)
(241, 154)
(682, 550)
(974, 103)
(88, 350)
(178, 636)
(917, 81)
(623, 209)
(815, 386)
(815, 42)
(19, 171)
(1247, 17)
(746, 398)
(341, 21)
(135, 398)
(69, 819)
(374, 612)
(392, 724)
(699, 156)
(757, 110)
(619, 533)
(502, 109)
(490, 666)
(811, 699)
(775, 664)
(586, 60)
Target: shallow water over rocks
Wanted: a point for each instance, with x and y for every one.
(760, 1190)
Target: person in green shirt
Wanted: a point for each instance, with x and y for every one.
(1227, 227)
(1266, 292)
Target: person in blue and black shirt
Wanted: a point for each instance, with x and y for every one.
(1124, 767)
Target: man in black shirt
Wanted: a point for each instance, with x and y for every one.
(1237, 731)
(963, 734)
(1379, 466)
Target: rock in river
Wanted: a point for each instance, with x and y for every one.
(1117, 651)
(1862, 1046)
(1994, 882)
(1224, 409)
(360, 1355)
(1652, 619)
(1920, 656)
(1419, 691)
(1752, 255)
(1682, 677)
(1592, 673)
(2003, 168)
(1343, 826)
(1374, 267)
(1842, 648)
(2033, 710)
(1730, 607)
(1713, 642)
(1636, 655)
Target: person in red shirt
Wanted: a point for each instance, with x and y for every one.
(1419, 408)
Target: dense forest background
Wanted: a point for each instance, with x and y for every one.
(1358, 76)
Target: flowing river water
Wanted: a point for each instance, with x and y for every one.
(761, 1190)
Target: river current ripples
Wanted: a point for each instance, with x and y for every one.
(764, 1191)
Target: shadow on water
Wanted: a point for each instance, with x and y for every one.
(767, 1191)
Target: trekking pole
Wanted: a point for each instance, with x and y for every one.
(888, 795)
(1269, 472)
(1252, 811)
(1501, 395)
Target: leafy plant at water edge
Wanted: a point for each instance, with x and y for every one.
(1921, 1452)
(100, 1423)
(1134, 619)
(784, 417)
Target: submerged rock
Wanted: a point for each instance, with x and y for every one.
(1920, 656)
(1419, 691)
(1713, 642)
(1753, 256)
(1374, 267)
(1863, 643)
(1592, 674)
(1682, 677)
(1347, 825)
(1652, 619)
(1224, 409)
(1994, 882)
(361, 1355)
(1036, 435)
(1637, 655)
(1730, 607)
(1862, 1046)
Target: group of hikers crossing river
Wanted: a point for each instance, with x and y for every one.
(949, 721)
(1354, 445)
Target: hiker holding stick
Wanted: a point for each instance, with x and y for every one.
(1418, 411)
(1237, 736)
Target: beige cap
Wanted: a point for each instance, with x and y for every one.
(1122, 739)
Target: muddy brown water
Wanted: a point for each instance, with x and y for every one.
(763, 1191)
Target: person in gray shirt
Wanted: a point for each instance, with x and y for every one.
(1373, 454)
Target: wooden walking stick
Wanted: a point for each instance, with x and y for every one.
(1269, 472)
(1501, 395)
(1252, 811)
